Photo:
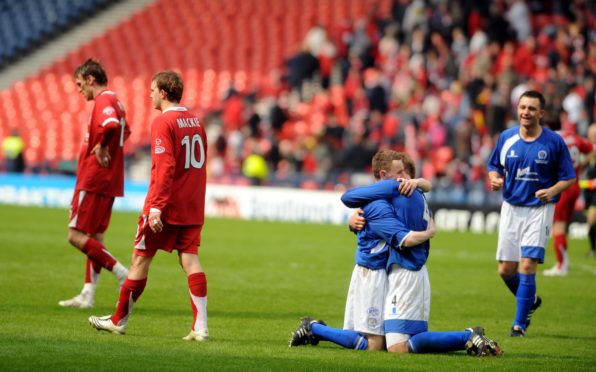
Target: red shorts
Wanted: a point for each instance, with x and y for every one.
(90, 212)
(183, 238)
(566, 205)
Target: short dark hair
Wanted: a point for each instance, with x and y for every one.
(534, 94)
(92, 67)
(171, 83)
(383, 160)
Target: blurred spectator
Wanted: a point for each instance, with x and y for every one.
(12, 150)
(497, 27)
(254, 168)
(590, 98)
(301, 68)
(361, 45)
(433, 78)
(518, 16)
(574, 107)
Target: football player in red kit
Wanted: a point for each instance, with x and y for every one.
(564, 208)
(100, 178)
(173, 214)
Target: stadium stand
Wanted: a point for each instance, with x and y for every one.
(316, 86)
(26, 24)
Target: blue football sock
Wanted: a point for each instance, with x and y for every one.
(343, 337)
(525, 298)
(438, 342)
(512, 283)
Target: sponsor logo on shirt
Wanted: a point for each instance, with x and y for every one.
(512, 154)
(158, 148)
(524, 174)
(542, 155)
(109, 110)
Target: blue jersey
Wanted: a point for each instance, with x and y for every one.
(530, 166)
(375, 239)
(390, 217)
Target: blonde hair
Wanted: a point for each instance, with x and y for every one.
(383, 160)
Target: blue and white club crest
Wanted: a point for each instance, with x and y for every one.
(541, 154)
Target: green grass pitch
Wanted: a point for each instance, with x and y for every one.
(262, 277)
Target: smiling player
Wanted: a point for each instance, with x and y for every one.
(532, 166)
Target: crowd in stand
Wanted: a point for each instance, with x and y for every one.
(435, 78)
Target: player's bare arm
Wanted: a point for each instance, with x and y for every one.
(419, 237)
(546, 195)
(496, 180)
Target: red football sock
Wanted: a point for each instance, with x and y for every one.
(98, 254)
(560, 246)
(129, 293)
(91, 272)
(197, 285)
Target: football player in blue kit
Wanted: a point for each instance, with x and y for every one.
(532, 165)
(363, 320)
(402, 225)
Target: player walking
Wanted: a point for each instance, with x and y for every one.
(100, 178)
(564, 208)
(173, 214)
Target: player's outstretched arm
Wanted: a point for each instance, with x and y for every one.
(382, 221)
(360, 196)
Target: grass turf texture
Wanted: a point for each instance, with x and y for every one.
(262, 277)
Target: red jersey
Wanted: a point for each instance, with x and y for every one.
(178, 168)
(577, 146)
(107, 125)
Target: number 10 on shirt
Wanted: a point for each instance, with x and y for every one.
(190, 146)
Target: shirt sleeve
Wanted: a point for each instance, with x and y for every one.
(109, 122)
(360, 196)
(382, 221)
(566, 170)
(585, 146)
(494, 161)
(162, 152)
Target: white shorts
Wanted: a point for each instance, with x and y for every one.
(364, 305)
(523, 231)
(407, 304)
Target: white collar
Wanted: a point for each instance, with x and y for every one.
(175, 108)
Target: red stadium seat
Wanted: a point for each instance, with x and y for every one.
(212, 43)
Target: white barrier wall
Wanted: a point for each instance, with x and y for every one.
(263, 203)
(259, 203)
(275, 204)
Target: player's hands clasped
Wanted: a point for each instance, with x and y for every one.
(102, 154)
(155, 222)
